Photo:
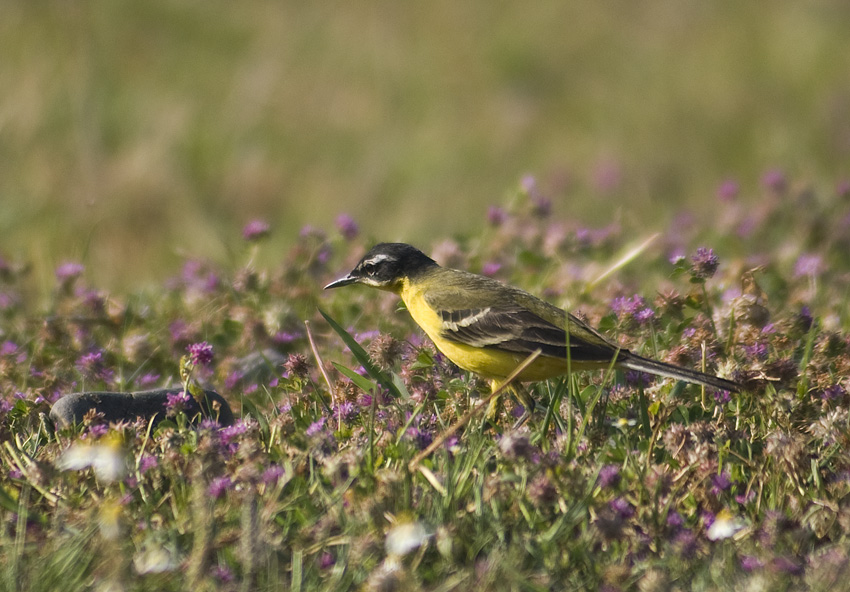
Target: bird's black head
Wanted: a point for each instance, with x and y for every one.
(385, 266)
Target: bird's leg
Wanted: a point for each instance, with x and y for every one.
(494, 407)
(519, 393)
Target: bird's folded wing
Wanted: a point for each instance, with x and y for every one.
(517, 329)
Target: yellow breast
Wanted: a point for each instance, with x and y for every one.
(490, 362)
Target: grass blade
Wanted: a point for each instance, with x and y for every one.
(362, 383)
(624, 260)
(360, 354)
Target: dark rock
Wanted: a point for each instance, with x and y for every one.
(71, 409)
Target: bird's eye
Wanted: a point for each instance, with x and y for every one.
(369, 268)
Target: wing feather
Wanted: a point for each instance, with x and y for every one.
(495, 315)
(517, 329)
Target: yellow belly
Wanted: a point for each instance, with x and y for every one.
(491, 363)
(497, 364)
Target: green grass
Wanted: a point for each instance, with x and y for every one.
(321, 485)
(139, 138)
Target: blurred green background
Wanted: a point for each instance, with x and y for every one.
(135, 133)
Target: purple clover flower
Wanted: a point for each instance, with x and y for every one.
(676, 256)
(451, 443)
(8, 300)
(284, 337)
(491, 268)
(347, 227)
(644, 316)
(201, 353)
(808, 265)
(721, 397)
(758, 350)
(685, 542)
(148, 379)
(728, 190)
(774, 179)
(232, 432)
(674, 519)
(218, 486)
(496, 216)
(98, 430)
(296, 366)
(92, 366)
(632, 308)
(255, 230)
(421, 438)
(705, 263)
(69, 271)
(177, 401)
(751, 563)
(609, 476)
(541, 205)
(310, 231)
(232, 380)
(622, 508)
(720, 483)
(147, 462)
(347, 410)
(90, 360)
(223, 574)
(626, 306)
(209, 424)
(197, 275)
(316, 428)
(94, 300)
(783, 564)
(365, 336)
(273, 474)
(326, 561)
(180, 331)
(528, 184)
(745, 498)
(746, 227)
(833, 393)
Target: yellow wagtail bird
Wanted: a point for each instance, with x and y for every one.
(489, 328)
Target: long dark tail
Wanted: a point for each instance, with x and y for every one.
(641, 364)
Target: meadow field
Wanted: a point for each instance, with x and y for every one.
(178, 180)
(135, 134)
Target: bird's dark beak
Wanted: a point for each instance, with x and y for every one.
(343, 281)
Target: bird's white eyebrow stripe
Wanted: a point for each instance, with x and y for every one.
(380, 257)
(453, 319)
